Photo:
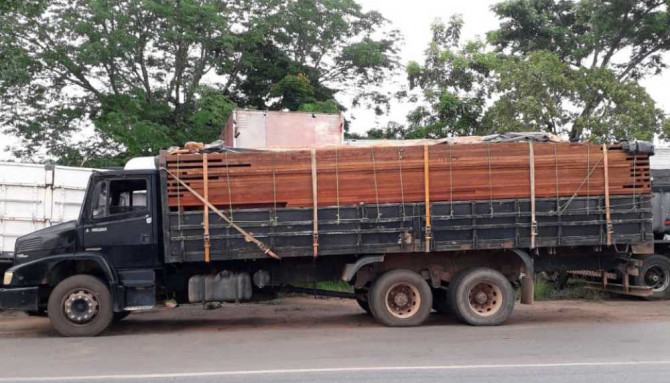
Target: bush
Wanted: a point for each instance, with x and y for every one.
(546, 290)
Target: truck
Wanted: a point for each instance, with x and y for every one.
(655, 271)
(444, 226)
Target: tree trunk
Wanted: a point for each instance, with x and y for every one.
(577, 128)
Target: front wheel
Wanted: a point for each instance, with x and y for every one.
(481, 297)
(655, 273)
(400, 298)
(80, 305)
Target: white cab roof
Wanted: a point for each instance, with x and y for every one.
(141, 163)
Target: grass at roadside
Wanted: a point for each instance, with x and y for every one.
(546, 290)
(328, 285)
(335, 286)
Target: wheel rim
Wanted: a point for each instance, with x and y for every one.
(657, 277)
(403, 300)
(485, 298)
(80, 306)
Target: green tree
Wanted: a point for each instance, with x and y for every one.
(567, 67)
(128, 73)
(392, 131)
(534, 92)
(455, 82)
(606, 48)
(97, 81)
(305, 52)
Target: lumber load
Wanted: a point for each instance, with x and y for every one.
(349, 175)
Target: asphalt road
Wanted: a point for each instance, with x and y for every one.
(334, 342)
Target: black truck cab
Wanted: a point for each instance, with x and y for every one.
(121, 218)
(116, 240)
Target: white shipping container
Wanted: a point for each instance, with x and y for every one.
(34, 196)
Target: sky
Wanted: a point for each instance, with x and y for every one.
(413, 19)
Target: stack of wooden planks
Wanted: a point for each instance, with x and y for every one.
(396, 174)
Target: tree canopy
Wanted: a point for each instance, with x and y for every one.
(97, 81)
(560, 66)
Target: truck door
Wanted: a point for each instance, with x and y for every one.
(119, 222)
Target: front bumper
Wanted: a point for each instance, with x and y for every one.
(19, 298)
(6, 261)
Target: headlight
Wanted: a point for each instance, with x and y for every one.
(7, 280)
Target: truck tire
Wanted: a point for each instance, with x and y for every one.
(80, 305)
(440, 304)
(362, 299)
(400, 298)
(655, 273)
(481, 297)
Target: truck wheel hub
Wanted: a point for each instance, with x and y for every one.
(485, 298)
(658, 278)
(80, 306)
(403, 300)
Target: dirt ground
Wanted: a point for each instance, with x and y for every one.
(301, 311)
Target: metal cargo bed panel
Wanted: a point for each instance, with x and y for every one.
(398, 228)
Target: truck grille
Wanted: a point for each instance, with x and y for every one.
(28, 245)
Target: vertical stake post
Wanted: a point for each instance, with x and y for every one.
(533, 220)
(607, 196)
(315, 217)
(426, 180)
(205, 212)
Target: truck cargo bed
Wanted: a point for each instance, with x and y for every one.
(397, 228)
(372, 200)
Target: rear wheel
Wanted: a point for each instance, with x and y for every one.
(655, 273)
(80, 305)
(400, 298)
(481, 297)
